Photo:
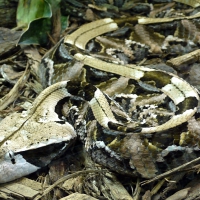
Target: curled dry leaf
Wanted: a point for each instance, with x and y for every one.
(9, 74)
(148, 38)
(140, 156)
(8, 40)
(116, 44)
(181, 194)
(192, 137)
(188, 31)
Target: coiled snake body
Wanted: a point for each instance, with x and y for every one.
(112, 139)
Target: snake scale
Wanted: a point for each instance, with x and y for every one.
(98, 127)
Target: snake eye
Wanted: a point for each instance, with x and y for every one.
(10, 156)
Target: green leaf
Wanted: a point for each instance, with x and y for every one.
(37, 32)
(35, 16)
(29, 10)
(54, 3)
(64, 22)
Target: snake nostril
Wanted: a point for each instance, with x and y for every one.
(10, 156)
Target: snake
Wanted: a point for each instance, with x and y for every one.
(184, 96)
(106, 134)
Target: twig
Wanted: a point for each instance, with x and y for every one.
(15, 91)
(177, 169)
